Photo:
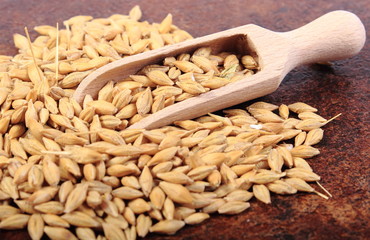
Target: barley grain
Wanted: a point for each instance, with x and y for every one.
(80, 219)
(167, 226)
(58, 233)
(233, 207)
(302, 173)
(85, 233)
(176, 192)
(76, 197)
(35, 226)
(262, 193)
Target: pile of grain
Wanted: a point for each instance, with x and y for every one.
(72, 171)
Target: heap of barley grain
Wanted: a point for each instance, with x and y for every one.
(73, 171)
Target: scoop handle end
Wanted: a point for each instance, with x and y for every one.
(333, 36)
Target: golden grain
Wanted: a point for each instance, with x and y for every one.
(281, 187)
(167, 226)
(76, 197)
(239, 195)
(299, 184)
(196, 218)
(176, 192)
(52, 207)
(55, 221)
(300, 107)
(7, 211)
(85, 233)
(16, 221)
(262, 193)
(59, 233)
(233, 207)
(127, 193)
(139, 206)
(80, 219)
(314, 136)
(304, 151)
(35, 226)
(301, 163)
(302, 173)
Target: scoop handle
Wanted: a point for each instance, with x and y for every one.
(333, 36)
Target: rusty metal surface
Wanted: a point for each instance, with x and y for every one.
(341, 88)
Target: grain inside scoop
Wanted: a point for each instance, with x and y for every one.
(336, 35)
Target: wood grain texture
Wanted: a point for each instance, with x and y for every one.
(341, 88)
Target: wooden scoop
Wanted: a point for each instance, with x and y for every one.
(336, 35)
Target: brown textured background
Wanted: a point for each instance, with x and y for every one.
(342, 88)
